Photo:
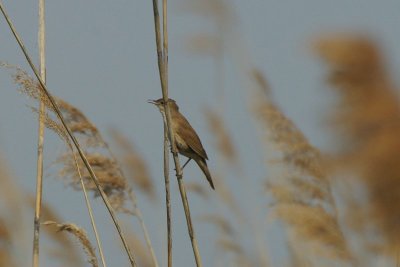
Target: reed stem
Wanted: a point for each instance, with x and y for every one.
(39, 168)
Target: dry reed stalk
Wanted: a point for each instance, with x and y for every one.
(137, 168)
(39, 173)
(50, 98)
(82, 237)
(167, 197)
(368, 119)
(303, 198)
(162, 56)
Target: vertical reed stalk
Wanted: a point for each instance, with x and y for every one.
(39, 171)
(163, 70)
(167, 195)
(72, 137)
(166, 155)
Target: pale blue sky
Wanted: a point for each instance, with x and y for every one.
(101, 58)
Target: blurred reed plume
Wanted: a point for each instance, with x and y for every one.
(135, 164)
(80, 235)
(368, 120)
(6, 258)
(223, 140)
(144, 257)
(301, 190)
(197, 188)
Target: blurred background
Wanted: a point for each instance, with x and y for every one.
(101, 58)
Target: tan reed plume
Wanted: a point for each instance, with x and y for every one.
(367, 119)
(138, 171)
(80, 235)
(302, 193)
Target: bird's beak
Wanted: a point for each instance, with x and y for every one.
(151, 101)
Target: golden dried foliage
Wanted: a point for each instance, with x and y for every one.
(223, 140)
(97, 151)
(107, 171)
(303, 184)
(80, 235)
(368, 119)
(134, 163)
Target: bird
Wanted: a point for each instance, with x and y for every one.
(186, 139)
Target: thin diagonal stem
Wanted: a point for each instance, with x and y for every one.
(90, 210)
(39, 168)
(68, 130)
(162, 61)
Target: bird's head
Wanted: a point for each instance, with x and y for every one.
(160, 104)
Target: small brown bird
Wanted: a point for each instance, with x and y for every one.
(186, 139)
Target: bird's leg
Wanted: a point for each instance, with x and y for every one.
(185, 163)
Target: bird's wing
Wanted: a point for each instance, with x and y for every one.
(192, 140)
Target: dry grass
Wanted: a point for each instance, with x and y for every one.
(137, 168)
(368, 120)
(302, 194)
(300, 186)
(80, 235)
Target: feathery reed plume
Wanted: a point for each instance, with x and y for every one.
(98, 155)
(144, 258)
(368, 119)
(135, 164)
(223, 139)
(107, 172)
(68, 251)
(79, 234)
(302, 194)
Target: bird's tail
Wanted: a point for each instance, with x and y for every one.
(203, 166)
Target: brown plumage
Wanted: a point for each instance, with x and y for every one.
(186, 139)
